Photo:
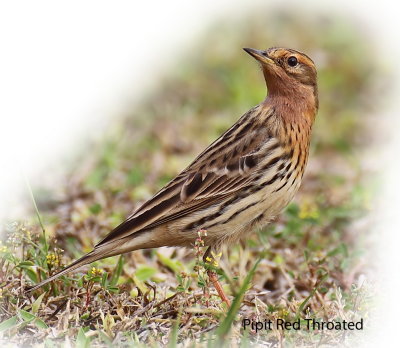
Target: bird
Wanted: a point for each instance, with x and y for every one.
(240, 182)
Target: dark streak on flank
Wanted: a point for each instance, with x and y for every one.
(233, 215)
(271, 163)
(272, 180)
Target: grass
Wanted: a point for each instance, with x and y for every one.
(312, 262)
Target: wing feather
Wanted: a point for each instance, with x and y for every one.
(220, 171)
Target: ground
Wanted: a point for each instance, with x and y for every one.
(311, 262)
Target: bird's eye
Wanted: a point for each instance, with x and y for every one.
(292, 61)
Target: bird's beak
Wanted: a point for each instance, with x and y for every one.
(261, 56)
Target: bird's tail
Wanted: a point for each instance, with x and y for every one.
(111, 248)
(94, 255)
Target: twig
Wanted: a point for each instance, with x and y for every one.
(61, 306)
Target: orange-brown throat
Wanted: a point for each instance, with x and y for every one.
(295, 104)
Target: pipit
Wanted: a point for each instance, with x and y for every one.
(241, 181)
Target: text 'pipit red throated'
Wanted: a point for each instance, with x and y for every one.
(242, 180)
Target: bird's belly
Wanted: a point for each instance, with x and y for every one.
(258, 214)
(238, 217)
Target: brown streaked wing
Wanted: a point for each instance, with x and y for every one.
(194, 188)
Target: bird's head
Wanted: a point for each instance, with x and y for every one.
(287, 71)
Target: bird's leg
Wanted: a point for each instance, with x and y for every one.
(208, 259)
(206, 289)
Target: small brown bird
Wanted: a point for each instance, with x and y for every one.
(242, 180)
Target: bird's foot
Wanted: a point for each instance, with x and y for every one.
(210, 260)
(214, 280)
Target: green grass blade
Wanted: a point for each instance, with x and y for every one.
(26, 316)
(9, 323)
(118, 271)
(37, 214)
(308, 298)
(81, 340)
(225, 326)
(37, 303)
(173, 338)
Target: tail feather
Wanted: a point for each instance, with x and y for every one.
(84, 260)
(111, 248)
